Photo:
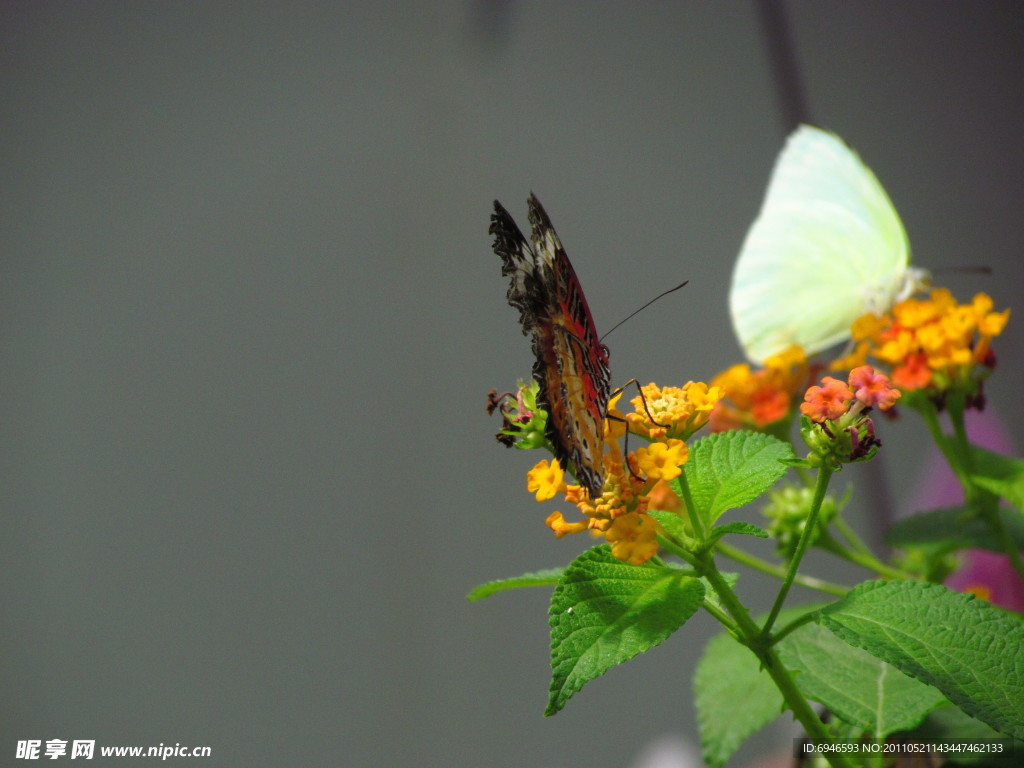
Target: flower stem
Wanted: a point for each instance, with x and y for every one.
(722, 617)
(794, 625)
(691, 509)
(862, 557)
(811, 582)
(986, 502)
(673, 546)
(761, 644)
(850, 535)
(931, 420)
(810, 527)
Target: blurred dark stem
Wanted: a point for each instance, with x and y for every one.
(782, 58)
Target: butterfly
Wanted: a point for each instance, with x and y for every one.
(571, 366)
(826, 248)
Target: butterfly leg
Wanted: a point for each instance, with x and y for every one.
(643, 399)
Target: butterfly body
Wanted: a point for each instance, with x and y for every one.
(571, 365)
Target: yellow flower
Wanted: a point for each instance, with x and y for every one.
(663, 461)
(866, 326)
(545, 479)
(935, 342)
(673, 412)
(557, 523)
(622, 498)
(633, 538)
(992, 324)
(615, 422)
(857, 357)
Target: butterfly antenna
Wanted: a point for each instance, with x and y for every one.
(645, 306)
(973, 270)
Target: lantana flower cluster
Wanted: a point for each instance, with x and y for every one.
(637, 482)
(835, 423)
(762, 397)
(932, 345)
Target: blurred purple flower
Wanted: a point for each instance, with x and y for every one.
(987, 574)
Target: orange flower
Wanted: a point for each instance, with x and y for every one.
(828, 402)
(913, 373)
(759, 398)
(838, 430)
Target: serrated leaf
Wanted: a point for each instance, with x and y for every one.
(970, 651)
(543, 578)
(735, 698)
(959, 527)
(746, 529)
(604, 612)
(1002, 475)
(854, 685)
(729, 469)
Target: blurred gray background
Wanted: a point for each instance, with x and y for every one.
(249, 316)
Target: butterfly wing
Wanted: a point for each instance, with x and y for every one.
(571, 366)
(827, 247)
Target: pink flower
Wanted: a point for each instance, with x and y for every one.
(827, 402)
(873, 388)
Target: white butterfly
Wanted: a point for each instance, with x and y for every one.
(827, 247)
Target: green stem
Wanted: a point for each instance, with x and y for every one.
(691, 509)
(811, 582)
(792, 626)
(931, 420)
(667, 542)
(762, 646)
(676, 549)
(850, 535)
(864, 558)
(987, 503)
(722, 617)
(810, 528)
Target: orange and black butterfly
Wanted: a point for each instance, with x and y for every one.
(571, 368)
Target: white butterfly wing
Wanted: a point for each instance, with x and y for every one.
(827, 247)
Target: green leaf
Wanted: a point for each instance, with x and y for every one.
(1002, 475)
(672, 523)
(959, 527)
(797, 462)
(729, 469)
(735, 698)
(543, 578)
(604, 612)
(970, 651)
(854, 685)
(748, 529)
